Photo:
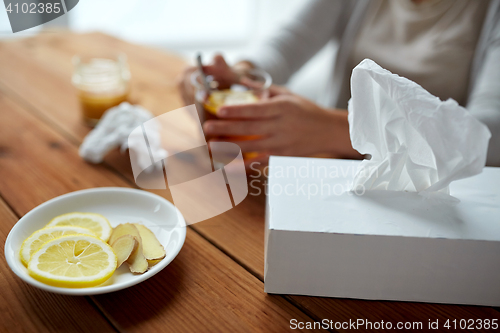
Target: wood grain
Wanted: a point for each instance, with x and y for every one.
(45, 63)
(24, 308)
(240, 232)
(201, 288)
(37, 165)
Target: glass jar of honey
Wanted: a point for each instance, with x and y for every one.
(102, 82)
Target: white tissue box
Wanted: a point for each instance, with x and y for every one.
(323, 240)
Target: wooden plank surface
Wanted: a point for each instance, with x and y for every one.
(219, 295)
(239, 232)
(198, 286)
(24, 308)
(39, 69)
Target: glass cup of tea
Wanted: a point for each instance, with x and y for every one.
(102, 82)
(247, 87)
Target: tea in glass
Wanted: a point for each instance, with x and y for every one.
(248, 88)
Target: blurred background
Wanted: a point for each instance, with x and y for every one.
(186, 27)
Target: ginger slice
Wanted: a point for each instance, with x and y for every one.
(153, 262)
(137, 262)
(151, 247)
(123, 247)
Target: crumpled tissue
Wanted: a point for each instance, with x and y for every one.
(113, 131)
(417, 142)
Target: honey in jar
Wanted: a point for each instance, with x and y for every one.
(102, 83)
(94, 105)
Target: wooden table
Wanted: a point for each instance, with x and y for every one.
(216, 282)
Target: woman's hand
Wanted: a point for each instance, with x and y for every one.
(219, 69)
(284, 124)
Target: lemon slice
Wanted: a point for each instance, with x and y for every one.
(73, 261)
(218, 98)
(240, 97)
(39, 237)
(215, 100)
(95, 222)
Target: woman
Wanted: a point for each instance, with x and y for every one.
(450, 47)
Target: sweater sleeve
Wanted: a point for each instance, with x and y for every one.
(484, 100)
(299, 40)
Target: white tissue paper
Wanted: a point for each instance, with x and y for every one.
(417, 142)
(113, 131)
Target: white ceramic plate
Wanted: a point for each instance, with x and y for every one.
(118, 205)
